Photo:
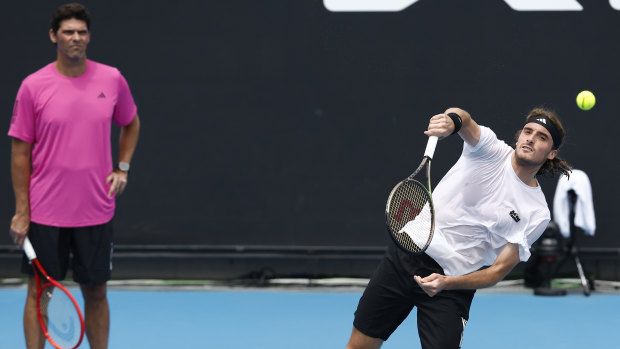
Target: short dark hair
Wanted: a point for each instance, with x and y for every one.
(69, 11)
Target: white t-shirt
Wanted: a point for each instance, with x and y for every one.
(481, 205)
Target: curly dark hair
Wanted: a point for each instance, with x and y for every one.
(556, 166)
(69, 11)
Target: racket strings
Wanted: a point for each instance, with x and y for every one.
(410, 209)
(44, 300)
(62, 319)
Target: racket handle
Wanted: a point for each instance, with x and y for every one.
(28, 249)
(430, 146)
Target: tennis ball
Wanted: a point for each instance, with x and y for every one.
(586, 100)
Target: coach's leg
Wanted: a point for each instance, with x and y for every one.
(359, 340)
(96, 315)
(35, 339)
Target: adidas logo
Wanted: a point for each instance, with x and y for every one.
(542, 120)
(101, 95)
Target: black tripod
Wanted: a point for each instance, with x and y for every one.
(571, 245)
(551, 253)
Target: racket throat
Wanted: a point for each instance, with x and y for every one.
(428, 176)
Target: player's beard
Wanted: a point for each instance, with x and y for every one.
(526, 161)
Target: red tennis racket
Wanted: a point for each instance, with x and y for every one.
(59, 314)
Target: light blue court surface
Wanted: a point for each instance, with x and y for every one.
(322, 319)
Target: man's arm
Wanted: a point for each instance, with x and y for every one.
(21, 153)
(442, 125)
(503, 264)
(127, 146)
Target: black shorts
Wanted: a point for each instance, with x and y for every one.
(392, 293)
(89, 249)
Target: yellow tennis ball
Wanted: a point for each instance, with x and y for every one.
(586, 100)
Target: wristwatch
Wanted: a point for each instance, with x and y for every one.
(123, 166)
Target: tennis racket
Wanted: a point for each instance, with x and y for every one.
(409, 212)
(59, 314)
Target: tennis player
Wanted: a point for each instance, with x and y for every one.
(489, 210)
(62, 168)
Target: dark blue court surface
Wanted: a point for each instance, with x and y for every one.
(251, 318)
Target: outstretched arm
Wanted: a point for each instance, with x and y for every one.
(504, 263)
(442, 125)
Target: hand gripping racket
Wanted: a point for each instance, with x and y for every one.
(59, 314)
(409, 212)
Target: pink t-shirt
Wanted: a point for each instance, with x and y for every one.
(68, 122)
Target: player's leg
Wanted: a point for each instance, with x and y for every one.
(35, 339)
(359, 340)
(92, 266)
(96, 315)
(53, 252)
(386, 302)
(442, 319)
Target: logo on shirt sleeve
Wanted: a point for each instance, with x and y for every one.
(514, 215)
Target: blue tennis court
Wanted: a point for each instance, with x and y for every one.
(321, 318)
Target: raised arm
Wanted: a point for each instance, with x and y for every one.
(442, 125)
(503, 264)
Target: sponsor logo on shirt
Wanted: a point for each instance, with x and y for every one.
(515, 216)
(101, 95)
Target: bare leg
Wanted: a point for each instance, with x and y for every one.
(359, 340)
(35, 339)
(96, 315)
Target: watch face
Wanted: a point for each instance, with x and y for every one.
(123, 166)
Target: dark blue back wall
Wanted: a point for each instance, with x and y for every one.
(281, 123)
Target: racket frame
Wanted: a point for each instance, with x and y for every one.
(426, 161)
(50, 281)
